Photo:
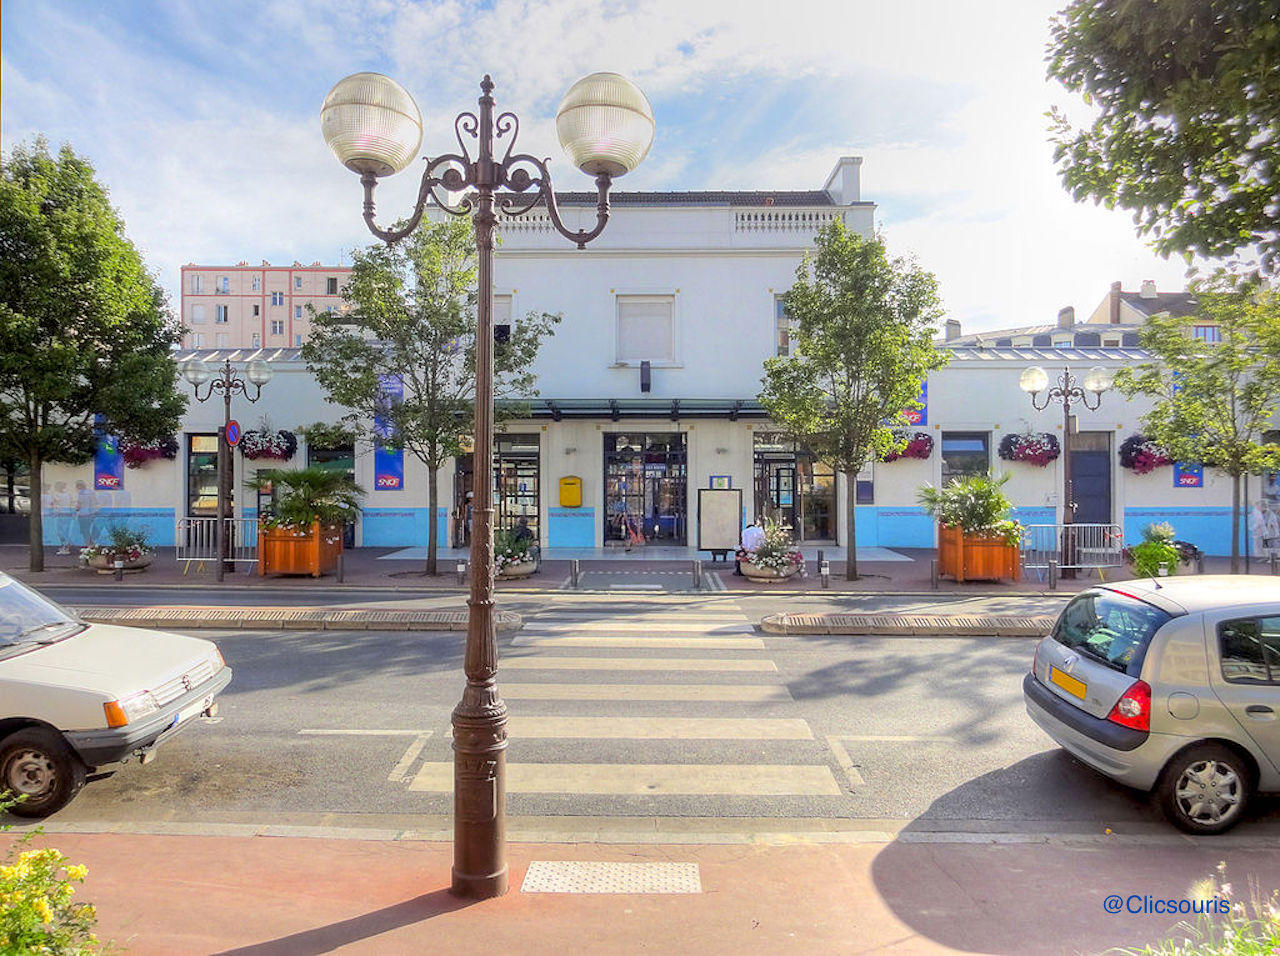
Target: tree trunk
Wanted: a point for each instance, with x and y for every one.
(36, 526)
(851, 546)
(433, 495)
(1235, 524)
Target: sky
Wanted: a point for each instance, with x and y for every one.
(202, 119)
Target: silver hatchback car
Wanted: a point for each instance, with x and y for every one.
(1169, 685)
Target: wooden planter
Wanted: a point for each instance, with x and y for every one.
(286, 551)
(976, 557)
(768, 575)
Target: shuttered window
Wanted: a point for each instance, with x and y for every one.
(646, 328)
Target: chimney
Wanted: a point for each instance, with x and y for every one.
(1148, 289)
(1066, 317)
(952, 329)
(844, 185)
(1114, 316)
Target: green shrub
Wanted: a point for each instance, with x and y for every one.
(1156, 548)
(1251, 929)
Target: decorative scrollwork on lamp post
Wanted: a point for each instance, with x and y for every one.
(373, 125)
(225, 382)
(1067, 392)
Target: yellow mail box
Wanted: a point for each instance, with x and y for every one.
(570, 492)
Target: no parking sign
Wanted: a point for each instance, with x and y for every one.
(233, 433)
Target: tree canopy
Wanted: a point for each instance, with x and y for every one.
(84, 328)
(412, 320)
(1187, 131)
(1215, 400)
(864, 327)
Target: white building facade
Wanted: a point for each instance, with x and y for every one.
(647, 393)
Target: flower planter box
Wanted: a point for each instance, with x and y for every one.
(521, 569)
(976, 557)
(106, 563)
(754, 572)
(290, 551)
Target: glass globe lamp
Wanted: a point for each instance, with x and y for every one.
(196, 371)
(258, 372)
(1097, 379)
(1033, 379)
(371, 123)
(605, 124)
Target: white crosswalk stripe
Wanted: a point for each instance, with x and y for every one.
(554, 718)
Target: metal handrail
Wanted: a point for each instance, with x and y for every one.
(197, 540)
(1084, 546)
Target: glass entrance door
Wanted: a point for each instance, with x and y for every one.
(794, 489)
(516, 464)
(646, 488)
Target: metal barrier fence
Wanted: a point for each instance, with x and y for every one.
(1088, 547)
(197, 540)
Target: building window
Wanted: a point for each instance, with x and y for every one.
(866, 486)
(202, 475)
(223, 285)
(257, 283)
(257, 310)
(197, 315)
(965, 454)
(222, 340)
(646, 328)
(277, 327)
(277, 298)
(220, 314)
(783, 323)
(297, 338)
(297, 311)
(197, 340)
(257, 340)
(331, 285)
(297, 282)
(197, 285)
(1206, 333)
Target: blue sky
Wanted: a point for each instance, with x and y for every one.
(202, 118)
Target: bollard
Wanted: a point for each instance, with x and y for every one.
(1053, 575)
(821, 557)
(933, 574)
(573, 573)
(462, 572)
(824, 572)
(341, 567)
(1275, 555)
(118, 564)
(697, 575)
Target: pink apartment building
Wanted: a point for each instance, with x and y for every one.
(244, 306)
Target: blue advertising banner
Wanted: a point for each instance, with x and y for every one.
(108, 464)
(920, 416)
(388, 463)
(1187, 475)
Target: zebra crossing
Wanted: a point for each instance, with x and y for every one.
(646, 709)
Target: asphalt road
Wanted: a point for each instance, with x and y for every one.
(659, 714)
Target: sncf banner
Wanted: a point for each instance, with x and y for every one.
(108, 464)
(388, 463)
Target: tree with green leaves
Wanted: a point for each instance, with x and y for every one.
(412, 321)
(1187, 126)
(1215, 400)
(84, 328)
(864, 327)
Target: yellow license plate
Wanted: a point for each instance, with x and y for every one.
(1072, 685)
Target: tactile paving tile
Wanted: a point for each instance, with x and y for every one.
(581, 876)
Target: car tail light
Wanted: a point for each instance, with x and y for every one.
(1133, 709)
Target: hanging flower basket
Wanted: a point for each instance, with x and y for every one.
(1034, 448)
(919, 445)
(1139, 454)
(137, 454)
(281, 445)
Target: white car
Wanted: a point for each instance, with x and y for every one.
(77, 696)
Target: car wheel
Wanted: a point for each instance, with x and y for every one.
(1205, 789)
(36, 764)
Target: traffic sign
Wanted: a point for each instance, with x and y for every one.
(233, 433)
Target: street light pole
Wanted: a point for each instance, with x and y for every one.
(1067, 392)
(374, 127)
(227, 382)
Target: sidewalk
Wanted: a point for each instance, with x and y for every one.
(290, 896)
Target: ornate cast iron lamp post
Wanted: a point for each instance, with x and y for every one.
(225, 381)
(373, 125)
(1067, 392)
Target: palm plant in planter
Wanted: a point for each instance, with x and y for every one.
(302, 532)
(977, 538)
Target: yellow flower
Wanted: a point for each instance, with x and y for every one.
(41, 906)
(77, 872)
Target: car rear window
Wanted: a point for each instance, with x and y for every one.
(1109, 627)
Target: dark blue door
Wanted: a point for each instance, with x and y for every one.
(1091, 486)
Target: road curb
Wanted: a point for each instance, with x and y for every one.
(291, 619)
(913, 625)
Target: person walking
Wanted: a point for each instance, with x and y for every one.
(61, 510)
(86, 512)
